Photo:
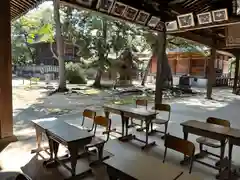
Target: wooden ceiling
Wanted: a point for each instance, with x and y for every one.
(19, 7)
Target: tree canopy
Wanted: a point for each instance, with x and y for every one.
(97, 37)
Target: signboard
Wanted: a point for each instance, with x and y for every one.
(233, 36)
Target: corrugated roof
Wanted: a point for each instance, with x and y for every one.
(20, 7)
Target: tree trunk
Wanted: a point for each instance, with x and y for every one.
(236, 74)
(167, 72)
(97, 81)
(211, 73)
(146, 72)
(29, 49)
(60, 48)
(102, 56)
(160, 49)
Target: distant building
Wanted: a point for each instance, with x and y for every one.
(44, 55)
(193, 63)
(44, 62)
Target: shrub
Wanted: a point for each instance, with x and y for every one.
(34, 80)
(74, 73)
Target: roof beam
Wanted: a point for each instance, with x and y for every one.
(233, 22)
(199, 39)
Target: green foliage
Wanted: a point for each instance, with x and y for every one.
(34, 80)
(96, 37)
(27, 30)
(74, 73)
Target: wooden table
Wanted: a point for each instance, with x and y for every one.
(71, 137)
(234, 139)
(212, 131)
(40, 127)
(128, 112)
(129, 162)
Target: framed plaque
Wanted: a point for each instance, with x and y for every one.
(171, 26)
(220, 15)
(105, 5)
(160, 26)
(186, 20)
(204, 18)
(153, 22)
(130, 13)
(142, 17)
(233, 36)
(118, 8)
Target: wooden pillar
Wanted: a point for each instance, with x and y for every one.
(236, 73)
(211, 73)
(160, 51)
(6, 119)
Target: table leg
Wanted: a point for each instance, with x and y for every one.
(185, 137)
(50, 142)
(123, 123)
(51, 162)
(123, 126)
(230, 160)
(55, 148)
(126, 120)
(222, 151)
(73, 157)
(147, 134)
(106, 114)
(38, 140)
(126, 136)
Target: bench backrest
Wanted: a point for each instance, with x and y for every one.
(218, 121)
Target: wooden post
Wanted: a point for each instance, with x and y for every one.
(236, 73)
(160, 52)
(146, 72)
(6, 119)
(211, 73)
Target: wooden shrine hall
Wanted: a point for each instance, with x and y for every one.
(214, 23)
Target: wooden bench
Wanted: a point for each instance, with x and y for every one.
(129, 162)
(71, 137)
(41, 126)
(208, 130)
(127, 112)
(234, 139)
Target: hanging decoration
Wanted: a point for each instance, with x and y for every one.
(105, 5)
(160, 26)
(186, 20)
(204, 18)
(130, 13)
(118, 9)
(220, 15)
(142, 17)
(153, 22)
(233, 36)
(171, 26)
